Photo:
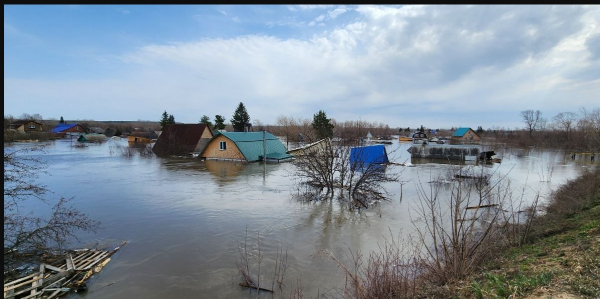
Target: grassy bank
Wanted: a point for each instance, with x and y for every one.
(561, 259)
(552, 254)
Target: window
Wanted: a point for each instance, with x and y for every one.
(32, 126)
(222, 145)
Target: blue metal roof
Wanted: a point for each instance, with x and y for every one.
(61, 127)
(460, 132)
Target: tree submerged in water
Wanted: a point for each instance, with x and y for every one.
(26, 234)
(327, 170)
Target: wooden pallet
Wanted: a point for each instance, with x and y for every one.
(74, 270)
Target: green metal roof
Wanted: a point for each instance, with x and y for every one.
(251, 145)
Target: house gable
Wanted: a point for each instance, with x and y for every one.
(214, 149)
(182, 139)
(250, 145)
(465, 135)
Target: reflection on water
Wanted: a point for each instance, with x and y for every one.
(184, 219)
(224, 169)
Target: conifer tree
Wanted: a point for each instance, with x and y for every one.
(240, 118)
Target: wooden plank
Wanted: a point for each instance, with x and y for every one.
(99, 267)
(77, 255)
(82, 263)
(99, 258)
(37, 276)
(88, 258)
(54, 294)
(91, 260)
(9, 294)
(83, 255)
(19, 280)
(38, 283)
(53, 268)
(33, 286)
(58, 276)
(69, 262)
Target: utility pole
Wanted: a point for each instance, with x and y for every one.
(264, 148)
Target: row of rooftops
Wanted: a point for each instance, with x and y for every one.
(185, 138)
(65, 126)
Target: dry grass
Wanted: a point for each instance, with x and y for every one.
(560, 258)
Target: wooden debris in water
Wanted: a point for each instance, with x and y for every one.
(60, 276)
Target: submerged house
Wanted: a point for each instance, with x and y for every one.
(68, 129)
(142, 137)
(318, 146)
(245, 146)
(182, 139)
(418, 137)
(92, 137)
(26, 126)
(370, 157)
(372, 154)
(445, 151)
(464, 136)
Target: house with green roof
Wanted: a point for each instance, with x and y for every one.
(245, 146)
(464, 136)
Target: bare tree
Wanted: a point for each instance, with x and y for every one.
(459, 233)
(25, 233)
(27, 116)
(329, 168)
(533, 120)
(565, 121)
(245, 266)
(8, 119)
(589, 128)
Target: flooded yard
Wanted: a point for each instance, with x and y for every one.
(184, 219)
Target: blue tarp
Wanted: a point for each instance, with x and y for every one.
(365, 155)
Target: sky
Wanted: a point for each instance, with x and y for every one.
(404, 66)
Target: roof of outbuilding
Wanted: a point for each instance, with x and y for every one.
(251, 145)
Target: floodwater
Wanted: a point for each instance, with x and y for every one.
(184, 220)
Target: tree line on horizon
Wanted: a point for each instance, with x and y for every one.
(566, 130)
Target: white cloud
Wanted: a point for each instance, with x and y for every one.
(439, 66)
(336, 12)
(307, 7)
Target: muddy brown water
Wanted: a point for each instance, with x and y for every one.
(185, 220)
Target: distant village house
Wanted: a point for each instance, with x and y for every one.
(464, 136)
(26, 126)
(142, 137)
(68, 129)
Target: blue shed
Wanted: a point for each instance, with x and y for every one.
(372, 154)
